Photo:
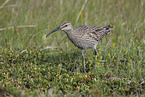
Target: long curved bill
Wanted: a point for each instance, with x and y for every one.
(56, 29)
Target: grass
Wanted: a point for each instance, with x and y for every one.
(32, 65)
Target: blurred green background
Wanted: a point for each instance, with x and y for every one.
(126, 16)
(24, 25)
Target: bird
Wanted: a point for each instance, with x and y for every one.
(84, 36)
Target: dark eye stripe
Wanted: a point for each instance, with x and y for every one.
(65, 25)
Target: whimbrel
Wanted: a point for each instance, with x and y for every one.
(83, 36)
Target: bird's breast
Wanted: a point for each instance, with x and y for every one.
(81, 41)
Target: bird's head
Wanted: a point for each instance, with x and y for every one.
(64, 26)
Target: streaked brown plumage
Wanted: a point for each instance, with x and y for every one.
(84, 37)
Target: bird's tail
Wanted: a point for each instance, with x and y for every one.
(105, 31)
(108, 28)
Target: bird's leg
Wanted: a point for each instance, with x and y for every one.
(96, 52)
(84, 61)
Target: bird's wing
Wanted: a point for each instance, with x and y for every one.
(96, 33)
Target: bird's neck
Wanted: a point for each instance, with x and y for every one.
(69, 34)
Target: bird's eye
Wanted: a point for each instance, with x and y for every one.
(65, 26)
